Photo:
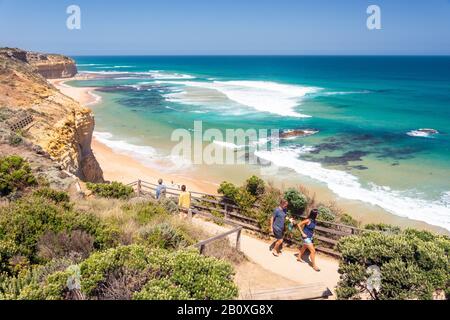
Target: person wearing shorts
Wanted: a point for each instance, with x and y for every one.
(307, 228)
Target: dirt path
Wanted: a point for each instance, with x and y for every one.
(285, 266)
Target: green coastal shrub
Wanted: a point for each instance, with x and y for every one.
(114, 190)
(267, 204)
(205, 278)
(255, 186)
(228, 190)
(57, 197)
(161, 289)
(297, 201)
(239, 196)
(325, 214)
(15, 139)
(165, 236)
(170, 205)
(188, 274)
(23, 223)
(15, 175)
(245, 201)
(413, 265)
(348, 220)
(144, 212)
(33, 283)
(383, 228)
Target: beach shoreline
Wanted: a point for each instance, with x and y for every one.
(120, 167)
(126, 169)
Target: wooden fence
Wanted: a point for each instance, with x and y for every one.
(216, 206)
(238, 230)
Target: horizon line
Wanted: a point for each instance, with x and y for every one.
(257, 55)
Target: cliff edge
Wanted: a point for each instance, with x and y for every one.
(60, 125)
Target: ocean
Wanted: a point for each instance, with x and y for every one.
(366, 112)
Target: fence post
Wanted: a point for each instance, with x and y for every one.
(139, 187)
(226, 210)
(202, 248)
(238, 240)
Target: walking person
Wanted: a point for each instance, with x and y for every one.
(307, 228)
(160, 190)
(277, 225)
(184, 201)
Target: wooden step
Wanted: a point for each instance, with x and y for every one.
(304, 292)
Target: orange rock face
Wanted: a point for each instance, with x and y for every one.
(62, 127)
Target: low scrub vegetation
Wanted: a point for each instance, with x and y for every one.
(106, 247)
(25, 222)
(409, 264)
(15, 175)
(114, 190)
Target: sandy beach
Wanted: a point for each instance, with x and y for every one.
(120, 167)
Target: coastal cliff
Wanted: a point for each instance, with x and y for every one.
(60, 126)
(50, 66)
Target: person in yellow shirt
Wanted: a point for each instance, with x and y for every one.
(184, 201)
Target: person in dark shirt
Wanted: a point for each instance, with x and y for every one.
(277, 225)
(307, 228)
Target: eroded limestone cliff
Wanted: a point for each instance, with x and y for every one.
(50, 66)
(61, 126)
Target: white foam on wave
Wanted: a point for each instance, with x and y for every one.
(89, 64)
(147, 155)
(152, 74)
(445, 198)
(348, 186)
(97, 98)
(229, 145)
(161, 75)
(107, 72)
(142, 153)
(341, 93)
(114, 67)
(264, 96)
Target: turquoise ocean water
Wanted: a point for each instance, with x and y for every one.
(367, 112)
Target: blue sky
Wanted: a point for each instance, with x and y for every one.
(227, 27)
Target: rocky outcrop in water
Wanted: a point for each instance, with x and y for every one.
(295, 133)
(61, 126)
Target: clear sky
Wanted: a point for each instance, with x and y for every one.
(227, 27)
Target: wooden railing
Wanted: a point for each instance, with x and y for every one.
(210, 205)
(238, 230)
